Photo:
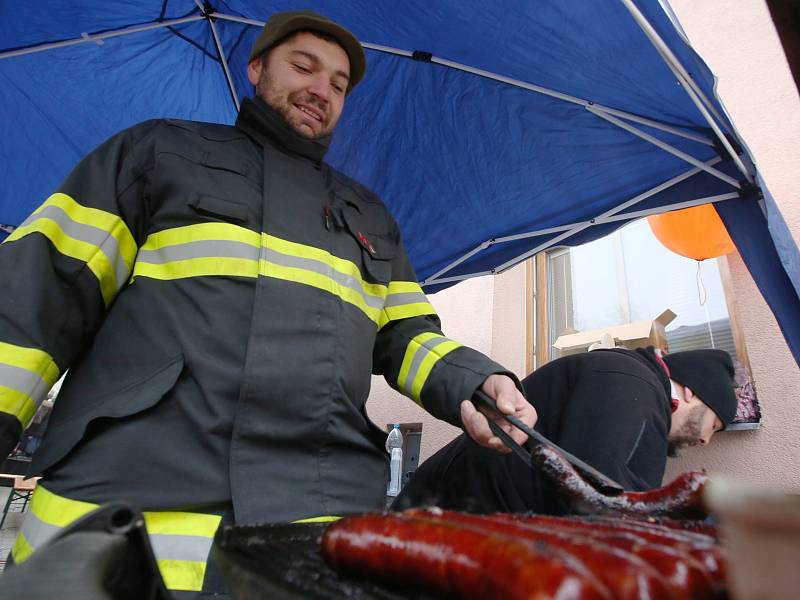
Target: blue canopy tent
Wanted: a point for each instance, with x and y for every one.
(492, 130)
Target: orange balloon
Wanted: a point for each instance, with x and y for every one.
(695, 232)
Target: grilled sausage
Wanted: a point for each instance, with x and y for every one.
(456, 559)
(681, 499)
(701, 537)
(699, 568)
(626, 575)
(699, 546)
(688, 525)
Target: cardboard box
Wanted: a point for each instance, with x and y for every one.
(629, 335)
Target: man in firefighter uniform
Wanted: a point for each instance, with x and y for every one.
(220, 296)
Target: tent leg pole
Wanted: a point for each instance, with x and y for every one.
(221, 53)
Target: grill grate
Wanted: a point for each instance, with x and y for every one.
(283, 562)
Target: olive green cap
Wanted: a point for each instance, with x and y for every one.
(281, 25)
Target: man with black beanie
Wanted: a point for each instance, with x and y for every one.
(622, 411)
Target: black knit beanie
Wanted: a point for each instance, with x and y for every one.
(709, 374)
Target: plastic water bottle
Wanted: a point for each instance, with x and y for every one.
(394, 446)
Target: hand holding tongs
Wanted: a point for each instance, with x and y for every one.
(601, 482)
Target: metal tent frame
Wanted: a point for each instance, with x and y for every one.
(618, 118)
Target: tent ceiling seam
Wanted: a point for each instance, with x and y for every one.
(603, 218)
(567, 98)
(238, 19)
(509, 81)
(629, 216)
(600, 220)
(98, 37)
(657, 125)
(210, 15)
(664, 146)
(576, 228)
(614, 218)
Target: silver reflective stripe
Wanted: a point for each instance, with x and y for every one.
(165, 547)
(25, 381)
(420, 355)
(181, 547)
(321, 268)
(405, 298)
(36, 531)
(199, 249)
(100, 238)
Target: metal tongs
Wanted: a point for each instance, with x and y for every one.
(600, 482)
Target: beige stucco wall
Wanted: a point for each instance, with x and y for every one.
(737, 40)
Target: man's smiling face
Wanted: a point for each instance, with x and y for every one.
(304, 78)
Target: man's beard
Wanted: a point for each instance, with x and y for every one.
(283, 105)
(692, 429)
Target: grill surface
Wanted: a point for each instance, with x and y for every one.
(283, 562)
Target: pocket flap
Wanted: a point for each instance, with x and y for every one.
(67, 426)
(220, 208)
(375, 245)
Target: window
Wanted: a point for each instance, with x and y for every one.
(628, 277)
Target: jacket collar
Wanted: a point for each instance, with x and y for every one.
(264, 124)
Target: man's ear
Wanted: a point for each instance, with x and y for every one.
(254, 68)
(688, 395)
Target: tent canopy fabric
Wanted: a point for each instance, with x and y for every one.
(491, 130)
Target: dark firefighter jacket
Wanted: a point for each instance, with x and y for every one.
(220, 296)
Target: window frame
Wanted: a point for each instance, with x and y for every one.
(538, 314)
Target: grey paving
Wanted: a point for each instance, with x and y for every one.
(10, 528)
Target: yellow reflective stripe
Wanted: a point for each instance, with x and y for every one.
(182, 575)
(181, 523)
(49, 513)
(318, 268)
(196, 242)
(293, 274)
(84, 235)
(101, 219)
(323, 519)
(411, 350)
(57, 510)
(422, 354)
(172, 533)
(395, 313)
(341, 265)
(21, 550)
(22, 406)
(427, 366)
(27, 375)
(96, 261)
(404, 299)
(197, 267)
(30, 359)
(202, 232)
(404, 287)
(222, 249)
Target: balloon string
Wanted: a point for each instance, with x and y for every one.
(702, 295)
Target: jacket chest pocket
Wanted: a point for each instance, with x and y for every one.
(211, 186)
(376, 249)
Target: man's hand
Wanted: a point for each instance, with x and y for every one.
(509, 401)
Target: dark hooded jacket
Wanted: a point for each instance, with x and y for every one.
(610, 408)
